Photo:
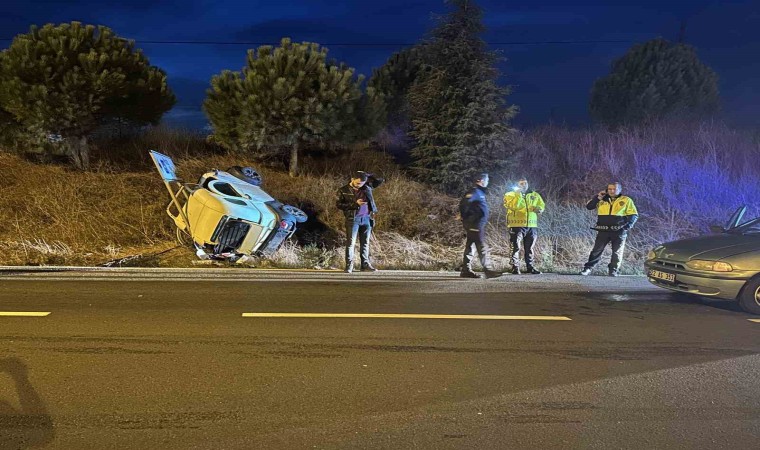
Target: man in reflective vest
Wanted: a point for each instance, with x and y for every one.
(616, 214)
(523, 207)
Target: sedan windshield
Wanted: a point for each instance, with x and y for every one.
(749, 227)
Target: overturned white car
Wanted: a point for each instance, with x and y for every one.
(226, 214)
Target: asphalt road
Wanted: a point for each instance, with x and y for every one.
(166, 359)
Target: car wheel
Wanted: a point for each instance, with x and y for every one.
(749, 298)
(297, 214)
(247, 174)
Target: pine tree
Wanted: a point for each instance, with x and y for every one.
(222, 107)
(459, 114)
(393, 80)
(9, 130)
(286, 98)
(66, 80)
(652, 81)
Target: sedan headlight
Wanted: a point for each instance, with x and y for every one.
(651, 255)
(709, 266)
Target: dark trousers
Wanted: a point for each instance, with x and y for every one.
(359, 226)
(519, 236)
(476, 242)
(603, 238)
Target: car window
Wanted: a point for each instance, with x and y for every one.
(750, 227)
(226, 189)
(735, 218)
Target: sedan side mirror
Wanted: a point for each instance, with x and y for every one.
(717, 229)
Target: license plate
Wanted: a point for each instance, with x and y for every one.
(669, 277)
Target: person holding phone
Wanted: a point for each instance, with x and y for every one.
(357, 202)
(616, 215)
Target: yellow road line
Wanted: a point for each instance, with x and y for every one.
(24, 314)
(402, 316)
(754, 320)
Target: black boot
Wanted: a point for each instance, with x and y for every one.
(515, 270)
(492, 273)
(467, 273)
(533, 271)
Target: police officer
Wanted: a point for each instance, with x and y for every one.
(473, 210)
(356, 201)
(523, 207)
(616, 214)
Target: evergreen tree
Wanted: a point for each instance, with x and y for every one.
(393, 80)
(9, 130)
(65, 80)
(459, 114)
(222, 107)
(655, 80)
(288, 97)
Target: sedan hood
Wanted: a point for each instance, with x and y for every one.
(710, 247)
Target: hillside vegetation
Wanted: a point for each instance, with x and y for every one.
(682, 177)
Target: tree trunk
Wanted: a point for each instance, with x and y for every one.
(79, 152)
(293, 170)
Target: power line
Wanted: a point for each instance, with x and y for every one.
(377, 45)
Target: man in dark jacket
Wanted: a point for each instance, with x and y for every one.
(356, 201)
(616, 214)
(473, 210)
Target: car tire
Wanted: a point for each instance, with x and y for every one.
(749, 297)
(296, 213)
(247, 174)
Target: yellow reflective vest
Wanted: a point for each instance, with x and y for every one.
(614, 214)
(522, 208)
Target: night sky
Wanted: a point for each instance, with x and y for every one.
(550, 81)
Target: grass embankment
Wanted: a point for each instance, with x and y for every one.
(54, 215)
(681, 177)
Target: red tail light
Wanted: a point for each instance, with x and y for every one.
(284, 224)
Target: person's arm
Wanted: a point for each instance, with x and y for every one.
(479, 210)
(632, 219)
(540, 205)
(345, 202)
(631, 214)
(509, 201)
(591, 205)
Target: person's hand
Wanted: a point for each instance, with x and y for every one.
(361, 202)
(600, 195)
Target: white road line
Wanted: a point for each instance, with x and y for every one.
(402, 316)
(754, 320)
(24, 313)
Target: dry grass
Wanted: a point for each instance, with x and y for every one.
(677, 175)
(56, 215)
